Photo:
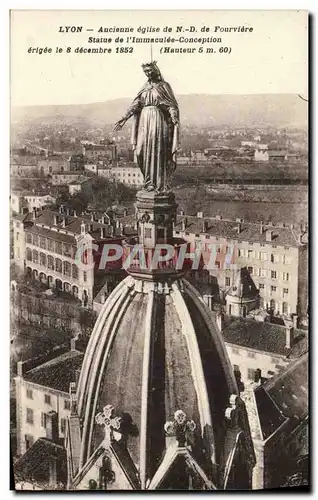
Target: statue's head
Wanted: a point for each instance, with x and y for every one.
(152, 71)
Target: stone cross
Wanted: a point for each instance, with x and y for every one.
(111, 422)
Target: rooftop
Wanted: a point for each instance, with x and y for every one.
(225, 228)
(72, 225)
(263, 336)
(57, 373)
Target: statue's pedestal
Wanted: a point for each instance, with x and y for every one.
(155, 213)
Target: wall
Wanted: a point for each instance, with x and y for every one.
(38, 405)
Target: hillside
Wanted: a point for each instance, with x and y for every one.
(276, 110)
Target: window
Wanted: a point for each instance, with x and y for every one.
(273, 274)
(227, 281)
(58, 247)
(261, 286)
(28, 254)
(263, 273)
(42, 242)
(286, 276)
(74, 272)
(250, 254)
(42, 259)
(58, 265)
(273, 288)
(285, 291)
(43, 420)
(235, 351)
(251, 355)
(28, 237)
(29, 416)
(50, 262)
(67, 269)
(35, 256)
(250, 270)
(63, 425)
(29, 393)
(84, 275)
(66, 250)
(50, 245)
(35, 240)
(17, 236)
(67, 404)
(272, 258)
(47, 399)
(263, 256)
(251, 374)
(285, 308)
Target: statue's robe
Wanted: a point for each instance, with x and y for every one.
(155, 138)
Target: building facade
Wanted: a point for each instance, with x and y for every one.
(275, 257)
(49, 246)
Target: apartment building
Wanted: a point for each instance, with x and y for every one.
(55, 247)
(41, 389)
(128, 174)
(275, 256)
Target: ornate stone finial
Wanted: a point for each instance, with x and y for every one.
(233, 412)
(181, 428)
(73, 399)
(110, 421)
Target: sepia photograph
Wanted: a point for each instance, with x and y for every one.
(159, 240)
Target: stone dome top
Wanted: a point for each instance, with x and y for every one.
(155, 349)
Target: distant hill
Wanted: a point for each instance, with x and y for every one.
(235, 110)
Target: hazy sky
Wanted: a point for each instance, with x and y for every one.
(271, 59)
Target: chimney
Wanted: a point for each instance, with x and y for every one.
(20, 368)
(77, 376)
(239, 228)
(55, 219)
(34, 213)
(220, 321)
(92, 217)
(269, 235)
(103, 233)
(261, 229)
(200, 215)
(289, 336)
(117, 224)
(52, 426)
(205, 226)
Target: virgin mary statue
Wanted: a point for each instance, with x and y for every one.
(155, 131)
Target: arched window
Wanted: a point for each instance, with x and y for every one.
(43, 259)
(35, 256)
(285, 308)
(58, 265)
(74, 272)
(28, 254)
(67, 269)
(50, 262)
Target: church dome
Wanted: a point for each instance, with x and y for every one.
(155, 349)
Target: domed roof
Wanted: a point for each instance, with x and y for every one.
(155, 349)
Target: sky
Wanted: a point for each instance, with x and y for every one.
(271, 59)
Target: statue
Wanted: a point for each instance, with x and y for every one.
(155, 131)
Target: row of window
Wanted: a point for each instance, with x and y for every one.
(30, 420)
(47, 399)
(51, 245)
(273, 289)
(267, 273)
(66, 268)
(274, 258)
